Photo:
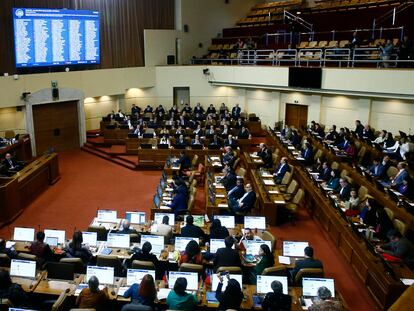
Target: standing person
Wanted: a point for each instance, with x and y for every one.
(75, 248)
(276, 300)
(386, 51)
(232, 296)
(92, 296)
(178, 299)
(144, 293)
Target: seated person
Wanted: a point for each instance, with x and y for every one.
(198, 131)
(401, 175)
(12, 291)
(324, 301)
(262, 150)
(267, 260)
(377, 169)
(235, 111)
(126, 228)
(148, 109)
(352, 205)
(11, 252)
(40, 249)
(237, 191)
(399, 247)
(215, 141)
(92, 297)
(227, 256)
(229, 179)
(383, 224)
(190, 230)
(196, 141)
(308, 262)
(144, 293)
(144, 254)
(248, 235)
(164, 140)
(406, 188)
(333, 182)
(10, 164)
(192, 254)
(75, 248)
(243, 133)
(344, 189)
(232, 296)
(184, 161)
(325, 172)
(281, 170)
(179, 299)
(181, 141)
(228, 157)
(198, 109)
(246, 203)
(276, 300)
(368, 212)
(211, 110)
(307, 154)
(178, 203)
(268, 159)
(163, 229)
(217, 231)
(230, 141)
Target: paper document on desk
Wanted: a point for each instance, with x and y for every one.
(122, 290)
(407, 281)
(308, 303)
(300, 159)
(169, 189)
(215, 158)
(10, 244)
(219, 186)
(163, 293)
(164, 207)
(268, 182)
(254, 155)
(273, 192)
(257, 161)
(279, 201)
(267, 175)
(291, 148)
(223, 205)
(284, 260)
(327, 189)
(220, 196)
(216, 163)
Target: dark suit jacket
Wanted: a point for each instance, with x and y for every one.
(346, 192)
(273, 302)
(232, 144)
(7, 164)
(185, 162)
(192, 231)
(325, 174)
(179, 203)
(243, 134)
(235, 112)
(380, 170)
(237, 193)
(307, 154)
(229, 181)
(248, 201)
(285, 168)
(306, 263)
(226, 257)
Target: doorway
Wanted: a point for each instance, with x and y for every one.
(296, 115)
(56, 126)
(181, 96)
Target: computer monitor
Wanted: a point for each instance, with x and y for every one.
(192, 279)
(20, 309)
(60, 270)
(90, 238)
(181, 242)
(106, 215)
(159, 216)
(255, 222)
(198, 220)
(105, 275)
(60, 234)
(264, 283)
(311, 286)
(136, 275)
(226, 221)
(294, 249)
(157, 242)
(252, 247)
(118, 240)
(156, 201)
(23, 268)
(52, 241)
(160, 191)
(135, 217)
(23, 234)
(215, 244)
(215, 281)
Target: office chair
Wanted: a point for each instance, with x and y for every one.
(4, 260)
(191, 267)
(268, 236)
(141, 264)
(307, 273)
(76, 262)
(276, 271)
(102, 234)
(111, 261)
(136, 307)
(230, 269)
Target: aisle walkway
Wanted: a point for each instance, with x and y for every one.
(89, 183)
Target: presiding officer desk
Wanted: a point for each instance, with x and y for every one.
(17, 191)
(381, 280)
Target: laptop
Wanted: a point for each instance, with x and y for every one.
(156, 201)
(106, 215)
(118, 240)
(23, 268)
(181, 242)
(226, 221)
(294, 249)
(105, 275)
(90, 238)
(60, 270)
(256, 222)
(23, 234)
(192, 279)
(310, 286)
(157, 242)
(135, 217)
(136, 275)
(159, 216)
(52, 241)
(60, 234)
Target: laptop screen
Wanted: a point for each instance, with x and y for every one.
(60, 234)
(118, 240)
(226, 221)
(159, 216)
(135, 217)
(216, 281)
(105, 275)
(52, 241)
(311, 286)
(264, 283)
(106, 215)
(156, 201)
(23, 234)
(157, 242)
(90, 238)
(192, 279)
(294, 249)
(252, 247)
(198, 220)
(136, 275)
(159, 191)
(181, 242)
(23, 268)
(255, 222)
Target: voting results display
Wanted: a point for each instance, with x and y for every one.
(52, 37)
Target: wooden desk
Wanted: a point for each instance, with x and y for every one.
(22, 149)
(56, 287)
(253, 161)
(115, 136)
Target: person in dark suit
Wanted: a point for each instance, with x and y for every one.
(246, 203)
(184, 161)
(377, 169)
(325, 172)
(10, 164)
(178, 203)
(276, 300)
(232, 296)
(198, 109)
(216, 141)
(228, 157)
(401, 175)
(148, 109)
(243, 133)
(235, 111)
(384, 224)
(135, 110)
(345, 143)
(196, 141)
(227, 256)
(181, 141)
(399, 247)
(368, 133)
(262, 150)
(340, 137)
(359, 128)
(308, 262)
(187, 109)
(268, 159)
(237, 191)
(281, 170)
(295, 138)
(345, 189)
(307, 154)
(319, 130)
(217, 231)
(211, 110)
(332, 135)
(126, 228)
(229, 179)
(230, 141)
(190, 230)
(182, 122)
(144, 254)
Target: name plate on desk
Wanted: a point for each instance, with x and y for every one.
(257, 161)
(268, 182)
(279, 201)
(291, 148)
(273, 192)
(220, 196)
(223, 205)
(300, 158)
(267, 175)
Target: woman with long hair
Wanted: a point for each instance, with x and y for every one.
(192, 254)
(217, 231)
(75, 248)
(232, 296)
(267, 260)
(144, 293)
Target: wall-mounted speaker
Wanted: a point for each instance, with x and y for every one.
(55, 93)
(19, 108)
(185, 28)
(170, 59)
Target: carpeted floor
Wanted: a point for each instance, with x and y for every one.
(89, 183)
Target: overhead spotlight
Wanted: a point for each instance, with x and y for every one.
(206, 71)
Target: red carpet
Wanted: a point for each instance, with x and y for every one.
(89, 183)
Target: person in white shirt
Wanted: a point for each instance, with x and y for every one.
(250, 236)
(380, 139)
(163, 229)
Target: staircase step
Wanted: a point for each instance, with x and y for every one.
(105, 156)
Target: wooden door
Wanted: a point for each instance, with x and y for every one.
(296, 115)
(56, 126)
